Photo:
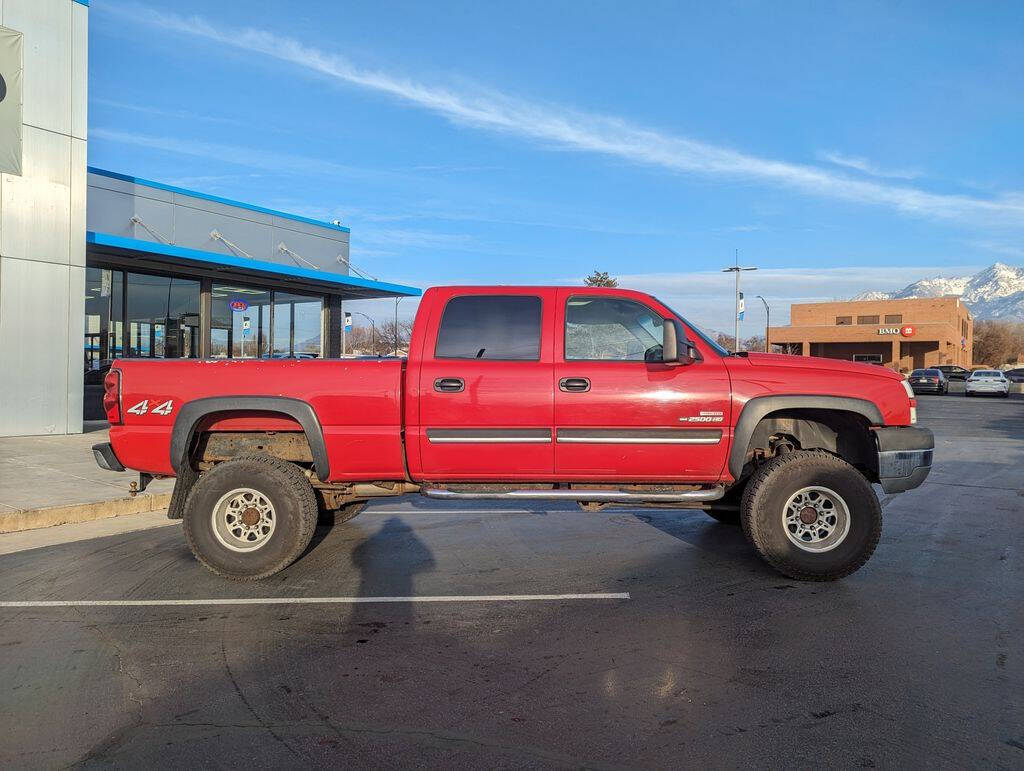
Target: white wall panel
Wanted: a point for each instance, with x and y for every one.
(79, 70)
(76, 351)
(34, 375)
(35, 223)
(46, 156)
(46, 25)
(78, 196)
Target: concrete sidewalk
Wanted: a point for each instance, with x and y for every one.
(53, 480)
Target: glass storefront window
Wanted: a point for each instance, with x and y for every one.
(297, 325)
(249, 322)
(240, 322)
(162, 316)
(103, 297)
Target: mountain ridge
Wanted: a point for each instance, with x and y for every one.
(997, 292)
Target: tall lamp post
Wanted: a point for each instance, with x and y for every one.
(767, 322)
(396, 324)
(373, 330)
(736, 269)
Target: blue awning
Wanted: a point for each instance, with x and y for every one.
(243, 269)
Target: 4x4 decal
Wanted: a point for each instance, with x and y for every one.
(164, 408)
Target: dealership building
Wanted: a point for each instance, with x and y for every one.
(98, 264)
(900, 334)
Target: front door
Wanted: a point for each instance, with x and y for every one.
(485, 393)
(621, 414)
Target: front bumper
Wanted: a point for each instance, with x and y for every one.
(105, 457)
(904, 457)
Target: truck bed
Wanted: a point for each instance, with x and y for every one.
(356, 401)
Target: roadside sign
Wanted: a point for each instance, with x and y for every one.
(238, 305)
(246, 322)
(348, 322)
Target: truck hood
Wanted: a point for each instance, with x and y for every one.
(816, 363)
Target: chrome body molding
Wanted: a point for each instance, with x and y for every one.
(638, 436)
(574, 436)
(489, 435)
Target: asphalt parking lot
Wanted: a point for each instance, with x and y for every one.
(713, 660)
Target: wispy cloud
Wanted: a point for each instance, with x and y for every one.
(161, 112)
(586, 132)
(865, 166)
(1001, 248)
(283, 163)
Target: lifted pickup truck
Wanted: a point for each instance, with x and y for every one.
(599, 396)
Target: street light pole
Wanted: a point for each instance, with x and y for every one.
(737, 270)
(767, 322)
(396, 324)
(373, 330)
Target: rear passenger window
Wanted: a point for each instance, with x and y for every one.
(503, 327)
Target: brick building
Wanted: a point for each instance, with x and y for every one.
(900, 334)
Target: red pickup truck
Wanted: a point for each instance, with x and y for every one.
(599, 396)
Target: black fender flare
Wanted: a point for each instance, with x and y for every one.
(759, 406)
(194, 411)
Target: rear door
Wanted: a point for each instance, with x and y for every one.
(485, 391)
(621, 414)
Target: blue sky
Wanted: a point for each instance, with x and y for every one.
(839, 147)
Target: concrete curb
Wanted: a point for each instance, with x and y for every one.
(30, 519)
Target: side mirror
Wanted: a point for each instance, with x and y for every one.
(676, 349)
(691, 354)
(669, 342)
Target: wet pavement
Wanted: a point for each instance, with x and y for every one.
(714, 660)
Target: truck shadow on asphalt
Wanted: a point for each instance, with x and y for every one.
(724, 542)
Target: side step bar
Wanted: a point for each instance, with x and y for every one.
(702, 495)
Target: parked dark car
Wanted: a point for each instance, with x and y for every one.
(928, 381)
(952, 372)
(1015, 375)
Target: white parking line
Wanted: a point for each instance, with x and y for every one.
(315, 600)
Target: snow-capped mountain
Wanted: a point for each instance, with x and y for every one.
(994, 293)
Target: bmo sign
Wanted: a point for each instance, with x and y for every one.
(906, 331)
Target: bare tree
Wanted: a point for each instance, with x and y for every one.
(600, 278)
(755, 343)
(998, 342)
(726, 341)
(394, 338)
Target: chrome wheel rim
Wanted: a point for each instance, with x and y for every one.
(244, 519)
(816, 519)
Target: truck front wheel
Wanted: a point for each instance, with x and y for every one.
(250, 517)
(811, 515)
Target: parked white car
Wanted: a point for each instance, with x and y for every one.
(987, 381)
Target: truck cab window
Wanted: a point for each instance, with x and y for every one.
(504, 327)
(611, 329)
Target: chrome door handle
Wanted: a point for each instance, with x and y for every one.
(450, 385)
(574, 384)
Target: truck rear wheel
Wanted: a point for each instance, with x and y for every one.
(250, 517)
(811, 516)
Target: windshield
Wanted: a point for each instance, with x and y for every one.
(930, 372)
(697, 331)
(987, 373)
